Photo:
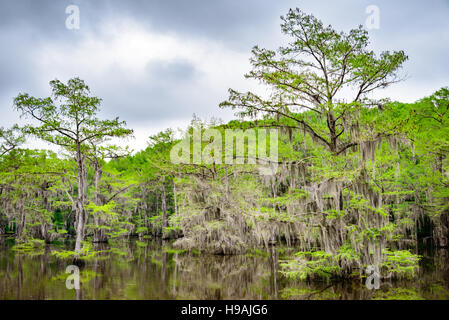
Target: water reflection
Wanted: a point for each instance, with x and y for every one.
(153, 270)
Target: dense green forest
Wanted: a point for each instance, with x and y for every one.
(359, 181)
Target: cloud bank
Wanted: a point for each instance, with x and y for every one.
(156, 63)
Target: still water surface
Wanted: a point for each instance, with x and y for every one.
(153, 270)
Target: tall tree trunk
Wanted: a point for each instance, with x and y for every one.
(331, 124)
(46, 204)
(22, 222)
(164, 208)
(80, 201)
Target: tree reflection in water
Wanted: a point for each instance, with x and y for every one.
(153, 270)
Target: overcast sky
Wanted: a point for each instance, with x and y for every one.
(157, 62)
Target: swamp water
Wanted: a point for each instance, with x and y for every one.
(153, 270)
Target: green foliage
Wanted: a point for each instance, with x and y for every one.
(141, 229)
(30, 245)
(355, 176)
(400, 263)
(85, 253)
(310, 265)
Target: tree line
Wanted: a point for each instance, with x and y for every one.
(360, 182)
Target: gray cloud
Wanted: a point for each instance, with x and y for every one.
(172, 89)
(171, 73)
(165, 92)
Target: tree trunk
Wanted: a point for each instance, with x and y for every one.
(164, 209)
(80, 226)
(46, 204)
(22, 223)
(331, 124)
(80, 201)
